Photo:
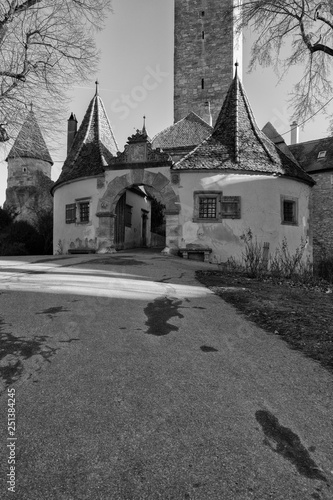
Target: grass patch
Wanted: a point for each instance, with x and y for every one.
(302, 314)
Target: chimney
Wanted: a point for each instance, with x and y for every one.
(208, 114)
(294, 135)
(71, 131)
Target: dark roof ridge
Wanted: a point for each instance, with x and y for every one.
(329, 137)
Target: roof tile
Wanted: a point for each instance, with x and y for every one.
(188, 131)
(237, 143)
(93, 147)
(30, 143)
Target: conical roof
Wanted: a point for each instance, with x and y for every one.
(30, 143)
(237, 143)
(93, 147)
(188, 131)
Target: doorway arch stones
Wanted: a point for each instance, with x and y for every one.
(116, 187)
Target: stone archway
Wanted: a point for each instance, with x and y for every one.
(116, 188)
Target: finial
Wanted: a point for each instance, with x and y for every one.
(236, 70)
(144, 131)
(96, 83)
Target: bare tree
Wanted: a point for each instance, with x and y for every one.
(290, 33)
(46, 46)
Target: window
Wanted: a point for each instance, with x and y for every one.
(128, 215)
(203, 35)
(321, 154)
(207, 206)
(84, 211)
(289, 211)
(70, 213)
(231, 207)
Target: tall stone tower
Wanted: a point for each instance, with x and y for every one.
(29, 172)
(206, 49)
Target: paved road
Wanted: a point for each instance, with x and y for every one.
(135, 382)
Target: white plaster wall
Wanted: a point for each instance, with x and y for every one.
(133, 234)
(65, 234)
(260, 211)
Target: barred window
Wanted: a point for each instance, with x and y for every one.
(84, 211)
(70, 213)
(207, 208)
(289, 211)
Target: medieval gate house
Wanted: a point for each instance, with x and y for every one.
(203, 181)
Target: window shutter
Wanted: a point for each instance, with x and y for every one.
(70, 213)
(231, 207)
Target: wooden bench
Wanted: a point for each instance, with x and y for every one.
(81, 250)
(205, 251)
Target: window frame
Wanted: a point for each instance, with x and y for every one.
(197, 196)
(79, 202)
(289, 199)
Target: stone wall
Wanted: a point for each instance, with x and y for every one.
(205, 52)
(30, 197)
(322, 214)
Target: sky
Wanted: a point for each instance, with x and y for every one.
(136, 80)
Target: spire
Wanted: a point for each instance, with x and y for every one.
(237, 144)
(144, 131)
(236, 126)
(30, 143)
(93, 146)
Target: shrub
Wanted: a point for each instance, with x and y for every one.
(22, 235)
(324, 269)
(253, 256)
(286, 265)
(12, 248)
(5, 218)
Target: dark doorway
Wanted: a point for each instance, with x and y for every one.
(119, 237)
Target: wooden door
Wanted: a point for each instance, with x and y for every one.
(119, 237)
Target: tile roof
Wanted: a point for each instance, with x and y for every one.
(307, 154)
(238, 144)
(278, 140)
(188, 131)
(30, 143)
(93, 147)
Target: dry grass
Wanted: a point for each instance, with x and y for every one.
(301, 314)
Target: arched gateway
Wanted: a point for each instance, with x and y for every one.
(134, 178)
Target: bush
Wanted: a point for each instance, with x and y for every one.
(5, 218)
(286, 265)
(21, 237)
(12, 248)
(253, 255)
(324, 269)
